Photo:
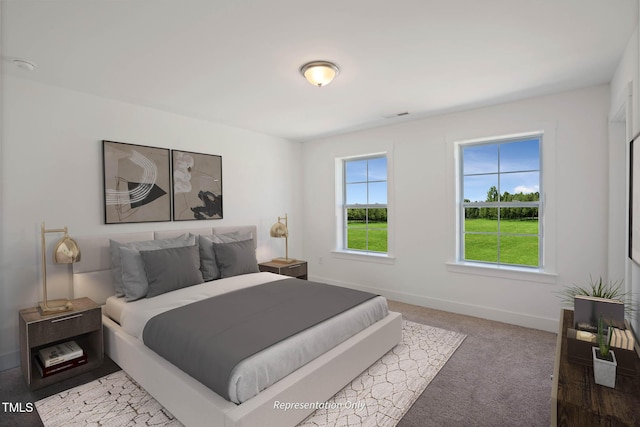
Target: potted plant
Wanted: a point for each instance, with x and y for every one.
(604, 359)
(613, 290)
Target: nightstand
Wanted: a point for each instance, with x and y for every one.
(297, 269)
(83, 325)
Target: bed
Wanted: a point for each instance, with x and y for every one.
(189, 400)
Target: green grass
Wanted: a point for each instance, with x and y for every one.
(357, 236)
(520, 250)
(506, 226)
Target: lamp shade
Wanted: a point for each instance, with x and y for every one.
(66, 251)
(319, 73)
(279, 230)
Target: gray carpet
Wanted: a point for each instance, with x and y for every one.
(499, 376)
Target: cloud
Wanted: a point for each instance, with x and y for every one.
(524, 189)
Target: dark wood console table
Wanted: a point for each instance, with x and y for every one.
(576, 400)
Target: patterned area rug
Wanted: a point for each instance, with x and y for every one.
(113, 400)
(378, 397)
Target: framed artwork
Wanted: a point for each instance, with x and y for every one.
(197, 186)
(634, 201)
(137, 183)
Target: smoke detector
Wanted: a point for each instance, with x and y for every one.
(23, 64)
(394, 115)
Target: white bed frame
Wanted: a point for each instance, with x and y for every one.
(194, 404)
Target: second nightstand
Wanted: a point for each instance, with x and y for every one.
(297, 269)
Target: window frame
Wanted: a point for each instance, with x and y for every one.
(367, 206)
(340, 250)
(462, 205)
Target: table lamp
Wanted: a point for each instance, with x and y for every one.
(280, 230)
(66, 251)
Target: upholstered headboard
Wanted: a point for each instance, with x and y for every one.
(92, 274)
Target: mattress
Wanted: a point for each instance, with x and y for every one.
(263, 369)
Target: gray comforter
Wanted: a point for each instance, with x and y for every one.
(208, 338)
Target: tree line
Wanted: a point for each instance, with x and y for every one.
(520, 213)
(360, 214)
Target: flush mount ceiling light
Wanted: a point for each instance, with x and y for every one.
(319, 73)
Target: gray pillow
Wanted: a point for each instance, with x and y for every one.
(236, 258)
(208, 263)
(132, 272)
(116, 264)
(172, 268)
(234, 236)
(134, 278)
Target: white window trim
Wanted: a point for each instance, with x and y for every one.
(538, 205)
(339, 251)
(545, 274)
(502, 271)
(377, 257)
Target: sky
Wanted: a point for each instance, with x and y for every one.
(366, 181)
(509, 166)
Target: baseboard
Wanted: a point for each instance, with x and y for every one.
(9, 360)
(513, 318)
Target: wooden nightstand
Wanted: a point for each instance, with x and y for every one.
(576, 400)
(83, 325)
(297, 269)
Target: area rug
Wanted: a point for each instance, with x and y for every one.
(380, 396)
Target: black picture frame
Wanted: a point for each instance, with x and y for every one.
(136, 183)
(634, 201)
(197, 186)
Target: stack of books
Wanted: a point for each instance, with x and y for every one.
(622, 338)
(59, 358)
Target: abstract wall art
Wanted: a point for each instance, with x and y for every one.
(137, 183)
(634, 199)
(197, 186)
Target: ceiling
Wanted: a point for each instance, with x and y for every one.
(236, 62)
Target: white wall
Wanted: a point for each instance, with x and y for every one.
(624, 101)
(51, 171)
(625, 95)
(424, 232)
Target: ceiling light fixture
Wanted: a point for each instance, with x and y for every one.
(319, 73)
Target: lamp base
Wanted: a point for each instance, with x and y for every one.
(55, 306)
(284, 260)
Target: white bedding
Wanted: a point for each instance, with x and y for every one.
(265, 368)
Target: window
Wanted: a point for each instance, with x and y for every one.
(365, 204)
(500, 202)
